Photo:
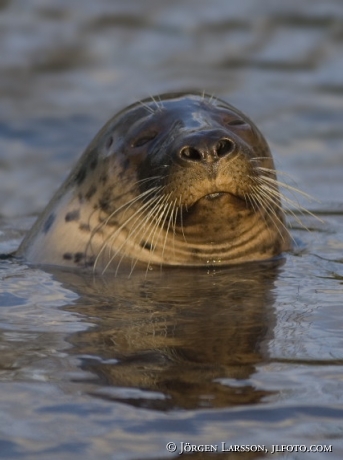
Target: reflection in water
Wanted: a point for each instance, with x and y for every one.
(171, 339)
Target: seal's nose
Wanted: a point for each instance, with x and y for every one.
(206, 150)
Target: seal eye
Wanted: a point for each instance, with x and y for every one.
(109, 142)
(143, 140)
(236, 122)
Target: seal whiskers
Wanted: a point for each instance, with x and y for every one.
(272, 205)
(265, 184)
(108, 242)
(138, 225)
(105, 222)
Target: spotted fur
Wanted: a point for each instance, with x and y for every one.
(182, 179)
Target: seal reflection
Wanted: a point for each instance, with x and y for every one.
(177, 338)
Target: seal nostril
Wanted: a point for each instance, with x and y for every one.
(224, 147)
(190, 154)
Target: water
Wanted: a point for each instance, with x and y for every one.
(117, 368)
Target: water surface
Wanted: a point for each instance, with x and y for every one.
(96, 367)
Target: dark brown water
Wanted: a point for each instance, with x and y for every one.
(103, 368)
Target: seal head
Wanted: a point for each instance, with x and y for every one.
(178, 179)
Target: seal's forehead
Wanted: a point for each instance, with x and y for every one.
(182, 102)
(178, 103)
(191, 105)
(191, 109)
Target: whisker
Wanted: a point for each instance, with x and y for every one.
(181, 221)
(153, 213)
(149, 109)
(269, 203)
(112, 236)
(274, 171)
(166, 213)
(158, 107)
(146, 179)
(138, 224)
(174, 225)
(158, 224)
(162, 215)
(272, 197)
(126, 205)
(137, 227)
(260, 158)
(155, 202)
(286, 186)
(167, 231)
(266, 206)
(288, 201)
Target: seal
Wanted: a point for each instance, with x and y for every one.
(178, 179)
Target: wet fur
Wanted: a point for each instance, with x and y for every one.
(132, 200)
